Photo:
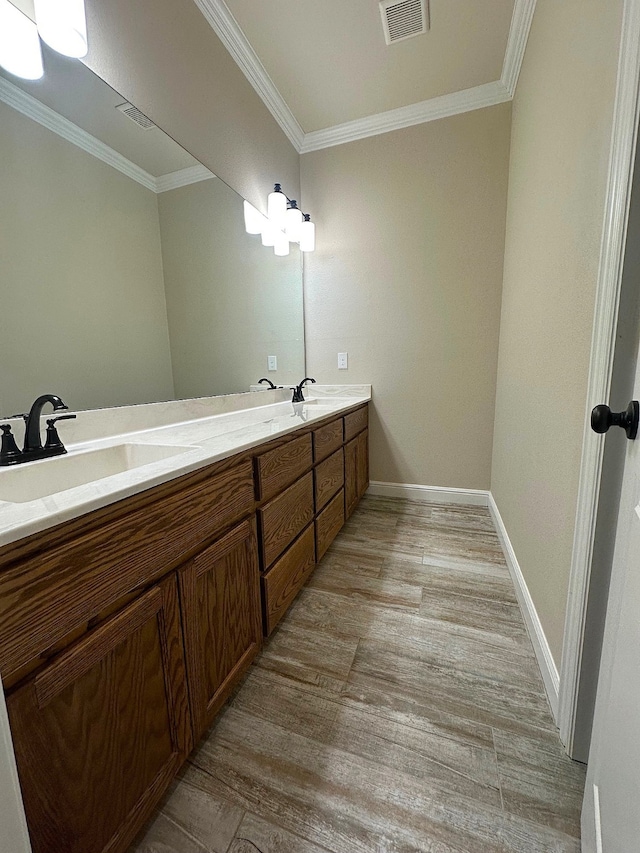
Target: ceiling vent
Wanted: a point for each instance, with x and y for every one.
(135, 115)
(403, 19)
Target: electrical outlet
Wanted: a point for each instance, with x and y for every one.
(272, 362)
(343, 361)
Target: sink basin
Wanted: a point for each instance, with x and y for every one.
(34, 480)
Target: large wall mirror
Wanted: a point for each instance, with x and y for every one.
(126, 274)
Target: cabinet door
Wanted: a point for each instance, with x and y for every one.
(101, 731)
(363, 462)
(220, 591)
(350, 477)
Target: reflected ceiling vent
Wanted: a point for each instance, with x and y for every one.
(403, 19)
(135, 115)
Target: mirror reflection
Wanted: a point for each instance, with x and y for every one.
(126, 274)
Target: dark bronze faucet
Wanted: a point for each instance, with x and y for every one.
(264, 379)
(33, 449)
(298, 396)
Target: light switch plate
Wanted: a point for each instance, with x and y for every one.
(272, 362)
(343, 361)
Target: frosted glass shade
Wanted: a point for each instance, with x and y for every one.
(277, 208)
(281, 245)
(293, 223)
(62, 24)
(20, 52)
(253, 219)
(269, 232)
(307, 236)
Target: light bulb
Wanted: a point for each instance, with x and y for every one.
(281, 245)
(293, 222)
(253, 219)
(277, 207)
(307, 235)
(20, 50)
(62, 24)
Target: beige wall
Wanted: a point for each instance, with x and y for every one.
(230, 301)
(562, 116)
(83, 311)
(163, 56)
(406, 278)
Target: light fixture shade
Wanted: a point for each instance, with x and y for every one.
(62, 24)
(269, 232)
(307, 236)
(253, 219)
(20, 52)
(277, 207)
(293, 223)
(281, 245)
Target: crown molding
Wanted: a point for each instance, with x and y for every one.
(182, 178)
(518, 34)
(53, 121)
(465, 101)
(226, 28)
(45, 116)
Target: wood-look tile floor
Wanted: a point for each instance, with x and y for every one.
(398, 708)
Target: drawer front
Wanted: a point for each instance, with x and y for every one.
(327, 439)
(286, 577)
(355, 422)
(279, 467)
(329, 477)
(284, 517)
(46, 596)
(329, 523)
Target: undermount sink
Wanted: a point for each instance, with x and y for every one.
(33, 480)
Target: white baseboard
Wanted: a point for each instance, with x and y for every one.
(429, 494)
(538, 638)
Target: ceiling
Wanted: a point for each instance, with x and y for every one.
(327, 74)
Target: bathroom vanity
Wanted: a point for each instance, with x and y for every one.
(131, 607)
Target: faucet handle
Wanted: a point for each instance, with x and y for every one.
(9, 451)
(24, 416)
(53, 439)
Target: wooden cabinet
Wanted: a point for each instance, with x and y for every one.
(220, 592)
(100, 732)
(282, 519)
(329, 523)
(281, 466)
(327, 438)
(328, 478)
(283, 581)
(356, 470)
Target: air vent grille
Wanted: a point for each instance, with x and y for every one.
(135, 115)
(403, 19)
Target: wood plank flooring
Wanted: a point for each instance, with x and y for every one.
(397, 709)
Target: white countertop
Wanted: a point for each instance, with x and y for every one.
(206, 439)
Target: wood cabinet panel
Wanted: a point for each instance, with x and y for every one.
(49, 594)
(328, 524)
(363, 462)
(282, 519)
(328, 478)
(282, 466)
(220, 590)
(286, 577)
(355, 422)
(100, 733)
(327, 439)
(350, 476)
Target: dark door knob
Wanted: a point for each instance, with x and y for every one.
(602, 418)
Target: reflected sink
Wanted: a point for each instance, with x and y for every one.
(33, 480)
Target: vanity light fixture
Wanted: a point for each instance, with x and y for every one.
(20, 52)
(62, 24)
(284, 223)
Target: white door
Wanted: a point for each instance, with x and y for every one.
(611, 811)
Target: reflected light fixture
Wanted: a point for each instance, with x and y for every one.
(20, 52)
(62, 24)
(284, 223)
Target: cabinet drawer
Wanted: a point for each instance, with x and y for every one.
(329, 477)
(45, 597)
(283, 581)
(355, 422)
(328, 523)
(327, 439)
(279, 467)
(284, 517)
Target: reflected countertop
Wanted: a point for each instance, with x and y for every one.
(256, 418)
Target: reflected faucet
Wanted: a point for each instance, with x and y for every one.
(264, 379)
(298, 396)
